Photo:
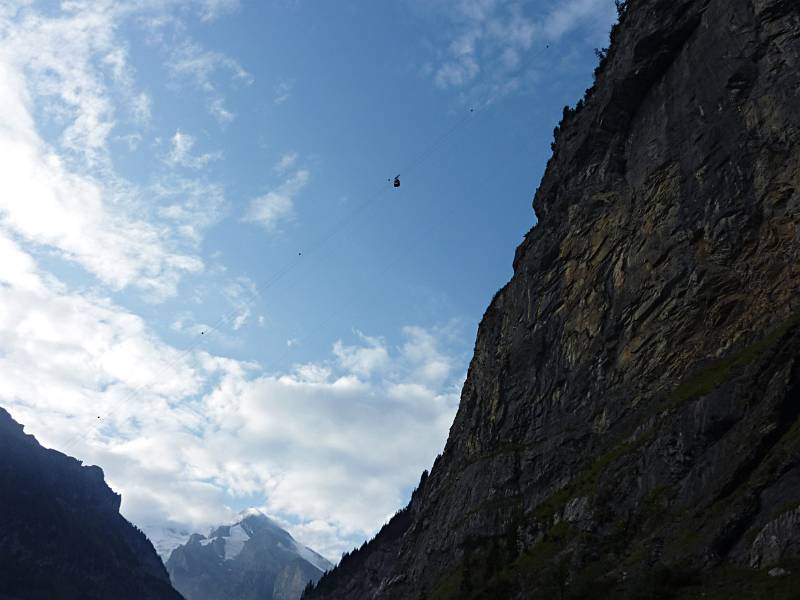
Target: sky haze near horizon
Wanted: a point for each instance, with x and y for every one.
(208, 285)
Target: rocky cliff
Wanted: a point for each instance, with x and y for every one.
(61, 534)
(629, 427)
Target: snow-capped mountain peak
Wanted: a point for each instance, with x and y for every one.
(250, 548)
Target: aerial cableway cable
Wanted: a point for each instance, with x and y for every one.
(437, 142)
(423, 232)
(410, 166)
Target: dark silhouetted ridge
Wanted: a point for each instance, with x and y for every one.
(61, 534)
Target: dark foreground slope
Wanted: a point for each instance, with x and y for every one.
(61, 534)
(629, 425)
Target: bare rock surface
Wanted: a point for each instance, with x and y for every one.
(630, 423)
(252, 558)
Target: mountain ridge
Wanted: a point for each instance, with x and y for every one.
(61, 534)
(252, 557)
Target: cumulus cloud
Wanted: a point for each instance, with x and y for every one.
(54, 52)
(421, 351)
(363, 359)
(182, 435)
(68, 357)
(277, 205)
(305, 431)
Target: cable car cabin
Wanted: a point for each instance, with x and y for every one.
(396, 182)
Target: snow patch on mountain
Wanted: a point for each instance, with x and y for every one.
(166, 538)
(252, 550)
(234, 542)
(320, 562)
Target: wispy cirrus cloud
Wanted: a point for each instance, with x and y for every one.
(568, 16)
(285, 163)
(189, 206)
(68, 69)
(180, 153)
(89, 221)
(240, 295)
(213, 9)
(191, 63)
(277, 205)
(488, 42)
(282, 92)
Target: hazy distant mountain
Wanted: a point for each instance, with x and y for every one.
(166, 537)
(250, 559)
(61, 534)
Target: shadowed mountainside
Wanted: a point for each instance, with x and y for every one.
(629, 427)
(61, 534)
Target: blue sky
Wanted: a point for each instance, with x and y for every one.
(210, 288)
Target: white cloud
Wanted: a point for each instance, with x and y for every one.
(421, 351)
(201, 67)
(285, 163)
(55, 53)
(240, 295)
(132, 140)
(181, 147)
(278, 205)
(457, 72)
(570, 15)
(69, 357)
(83, 218)
(213, 9)
(189, 206)
(313, 425)
(181, 153)
(365, 359)
(141, 105)
(182, 435)
(68, 197)
(491, 44)
(283, 92)
(240, 319)
(217, 109)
